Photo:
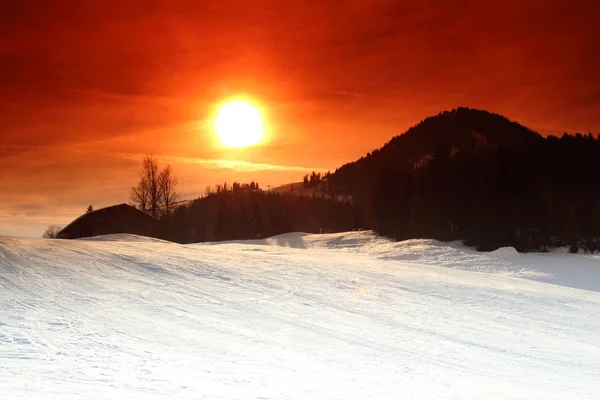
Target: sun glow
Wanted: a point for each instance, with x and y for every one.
(238, 123)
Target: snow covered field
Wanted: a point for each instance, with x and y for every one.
(340, 316)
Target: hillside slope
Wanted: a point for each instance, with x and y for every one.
(447, 133)
(344, 316)
(476, 176)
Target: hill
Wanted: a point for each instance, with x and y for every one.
(296, 316)
(473, 175)
(462, 130)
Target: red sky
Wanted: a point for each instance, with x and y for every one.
(88, 87)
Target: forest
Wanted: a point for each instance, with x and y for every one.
(535, 197)
(242, 212)
(476, 176)
(463, 174)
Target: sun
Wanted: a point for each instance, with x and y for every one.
(238, 123)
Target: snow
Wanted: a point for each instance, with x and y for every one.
(505, 252)
(297, 316)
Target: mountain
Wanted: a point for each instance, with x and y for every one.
(476, 176)
(445, 134)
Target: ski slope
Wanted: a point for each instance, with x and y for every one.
(298, 316)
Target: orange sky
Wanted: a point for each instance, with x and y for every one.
(87, 88)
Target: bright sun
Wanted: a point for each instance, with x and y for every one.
(239, 124)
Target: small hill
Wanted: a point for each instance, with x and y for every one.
(462, 130)
(476, 176)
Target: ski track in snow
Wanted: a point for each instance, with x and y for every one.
(298, 316)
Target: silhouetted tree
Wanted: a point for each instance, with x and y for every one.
(222, 227)
(89, 209)
(146, 194)
(167, 183)
(315, 179)
(51, 232)
(258, 228)
(155, 191)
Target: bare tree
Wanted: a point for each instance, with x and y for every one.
(155, 191)
(146, 194)
(51, 232)
(166, 185)
(150, 174)
(139, 196)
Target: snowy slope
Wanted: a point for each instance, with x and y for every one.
(581, 272)
(344, 316)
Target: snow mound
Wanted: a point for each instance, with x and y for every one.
(295, 240)
(124, 237)
(505, 252)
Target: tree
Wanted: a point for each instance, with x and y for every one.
(146, 194)
(51, 232)
(166, 187)
(155, 191)
(258, 228)
(223, 224)
(315, 178)
(89, 209)
(139, 196)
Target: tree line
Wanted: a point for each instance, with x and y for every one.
(235, 214)
(461, 175)
(235, 211)
(536, 197)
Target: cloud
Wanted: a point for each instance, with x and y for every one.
(43, 185)
(236, 165)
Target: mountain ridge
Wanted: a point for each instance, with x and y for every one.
(444, 134)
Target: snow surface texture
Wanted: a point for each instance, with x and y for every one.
(340, 316)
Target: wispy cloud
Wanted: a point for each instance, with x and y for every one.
(246, 166)
(235, 165)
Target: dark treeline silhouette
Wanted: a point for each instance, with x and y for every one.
(240, 211)
(477, 184)
(531, 198)
(315, 179)
(449, 132)
(463, 174)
